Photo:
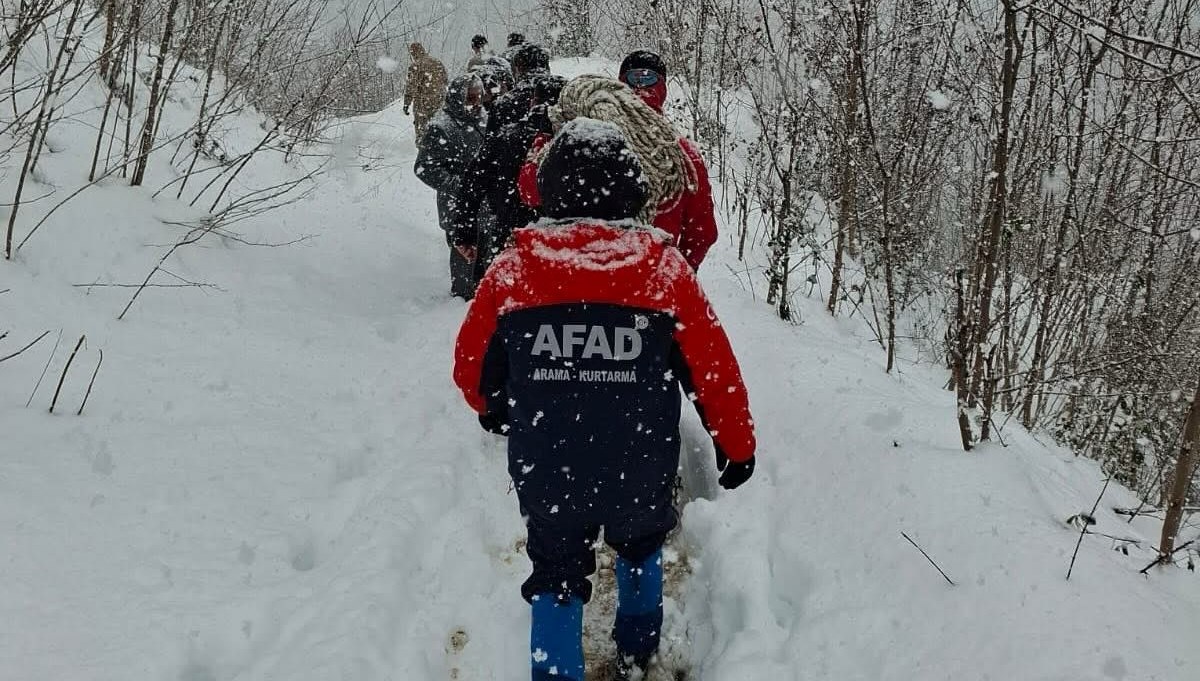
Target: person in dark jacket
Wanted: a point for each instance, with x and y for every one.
(575, 347)
(496, 75)
(513, 44)
(451, 140)
(491, 180)
(529, 62)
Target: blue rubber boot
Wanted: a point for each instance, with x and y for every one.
(639, 608)
(556, 638)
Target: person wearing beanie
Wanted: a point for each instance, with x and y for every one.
(451, 139)
(575, 348)
(487, 208)
(681, 202)
(646, 73)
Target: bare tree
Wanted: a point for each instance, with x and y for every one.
(1181, 481)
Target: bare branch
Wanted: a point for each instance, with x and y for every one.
(931, 561)
(45, 369)
(91, 383)
(63, 377)
(30, 345)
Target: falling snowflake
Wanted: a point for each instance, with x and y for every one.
(938, 100)
(387, 64)
(1096, 36)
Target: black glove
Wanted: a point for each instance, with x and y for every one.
(734, 473)
(494, 423)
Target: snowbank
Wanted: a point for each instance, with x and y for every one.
(804, 573)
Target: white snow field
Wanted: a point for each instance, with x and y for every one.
(276, 479)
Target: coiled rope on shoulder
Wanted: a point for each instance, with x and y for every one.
(669, 172)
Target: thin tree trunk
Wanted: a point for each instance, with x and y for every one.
(959, 362)
(847, 194)
(1185, 468)
(889, 274)
(143, 159)
(135, 27)
(986, 270)
(110, 23)
(780, 246)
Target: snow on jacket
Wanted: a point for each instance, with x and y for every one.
(491, 178)
(512, 106)
(451, 141)
(426, 86)
(689, 217)
(579, 336)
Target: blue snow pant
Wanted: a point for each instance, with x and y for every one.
(563, 557)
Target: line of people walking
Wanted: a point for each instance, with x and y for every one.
(482, 148)
(575, 218)
(426, 84)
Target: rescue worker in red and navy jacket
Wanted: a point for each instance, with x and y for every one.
(688, 214)
(575, 347)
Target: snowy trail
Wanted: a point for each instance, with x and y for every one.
(416, 524)
(278, 481)
(417, 536)
(332, 467)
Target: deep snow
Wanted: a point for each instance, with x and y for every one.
(277, 480)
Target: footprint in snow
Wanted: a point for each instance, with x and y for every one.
(455, 644)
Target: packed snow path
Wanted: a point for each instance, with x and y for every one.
(277, 480)
(285, 475)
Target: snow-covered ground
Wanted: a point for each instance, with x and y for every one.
(275, 479)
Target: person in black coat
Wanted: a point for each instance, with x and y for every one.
(453, 137)
(488, 207)
(529, 63)
(575, 349)
(496, 74)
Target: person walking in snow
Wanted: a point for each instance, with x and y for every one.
(425, 89)
(496, 74)
(681, 202)
(575, 347)
(451, 140)
(513, 44)
(488, 209)
(479, 52)
(528, 63)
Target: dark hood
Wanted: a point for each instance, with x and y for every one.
(456, 98)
